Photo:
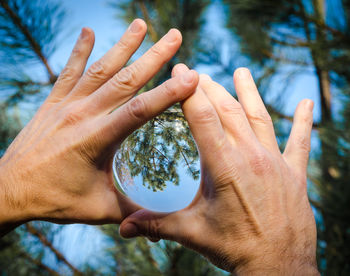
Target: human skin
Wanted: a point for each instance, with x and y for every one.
(59, 168)
(252, 215)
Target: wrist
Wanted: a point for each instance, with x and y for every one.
(304, 265)
(13, 208)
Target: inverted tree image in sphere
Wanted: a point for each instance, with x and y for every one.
(157, 168)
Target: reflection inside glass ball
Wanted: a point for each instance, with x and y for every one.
(157, 166)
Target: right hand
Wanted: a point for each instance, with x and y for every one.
(252, 214)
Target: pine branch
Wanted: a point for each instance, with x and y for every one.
(179, 147)
(289, 44)
(184, 157)
(151, 30)
(39, 264)
(154, 148)
(298, 40)
(31, 229)
(33, 43)
(270, 55)
(321, 24)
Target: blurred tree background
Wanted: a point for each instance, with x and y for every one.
(281, 41)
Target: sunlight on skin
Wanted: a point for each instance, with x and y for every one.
(76, 131)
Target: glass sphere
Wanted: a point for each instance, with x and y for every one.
(157, 166)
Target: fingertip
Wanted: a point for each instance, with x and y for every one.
(176, 34)
(128, 230)
(190, 78)
(205, 81)
(137, 26)
(87, 34)
(309, 104)
(304, 107)
(141, 22)
(179, 69)
(241, 73)
(204, 77)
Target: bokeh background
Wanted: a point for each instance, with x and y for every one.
(295, 49)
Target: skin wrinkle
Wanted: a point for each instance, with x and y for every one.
(252, 218)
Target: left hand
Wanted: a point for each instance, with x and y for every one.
(59, 168)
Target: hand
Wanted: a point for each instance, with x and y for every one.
(252, 214)
(59, 167)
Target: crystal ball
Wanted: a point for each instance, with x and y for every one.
(157, 166)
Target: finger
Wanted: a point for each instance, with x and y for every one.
(75, 65)
(155, 226)
(254, 108)
(148, 105)
(230, 112)
(205, 127)
(103, 69)
(179, 69)
(298, 145)
(130, 79)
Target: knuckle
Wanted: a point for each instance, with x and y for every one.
(231, 108)
(72, 115)
(261, 163)
(259, 117)
(205, 113)
(137, 108)
(123, 45)
(170, 91)
(307, 120)
(67, 74)
(77, 52)
(126, 78)
(303, 143)
(98, 70)
(157, 51)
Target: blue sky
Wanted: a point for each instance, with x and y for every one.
(97, 15)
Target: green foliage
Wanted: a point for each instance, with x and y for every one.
(158, 149)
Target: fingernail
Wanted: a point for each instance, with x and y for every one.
(187, 77)
(310, 105)
(135, 26)
(171, 36)
(130, 230)
(83, 33)
(243, 73)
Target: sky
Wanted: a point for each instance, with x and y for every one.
(99, 16)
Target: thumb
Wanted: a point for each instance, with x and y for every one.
(154, 225)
